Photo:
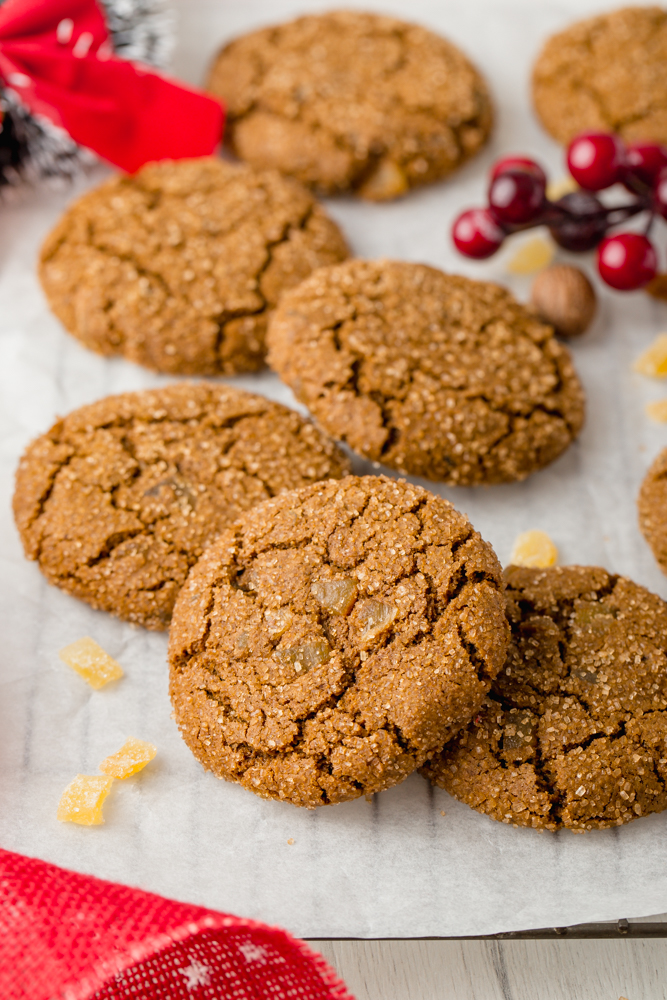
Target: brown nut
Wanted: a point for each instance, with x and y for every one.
(564, 297)
(658, 286)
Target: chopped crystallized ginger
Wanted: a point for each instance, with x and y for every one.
(658, 411)
(535, 550)
(82, 800)
(531, 256)
(387, 181)
(653, 361)
(90, 660)
(563, 186)
(132, 757)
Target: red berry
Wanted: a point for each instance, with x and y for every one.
(518, 163)
(476, 233)
(516, 196)
(644, 160)
(583, 222)
(660, 193)
(596, 160)
(627, 261)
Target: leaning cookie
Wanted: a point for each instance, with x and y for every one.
(652, 505)
(118, 500)
(430, 373)
(179, 266)
(606, 73)
(350, 100)
(574, 731)
(334, 638)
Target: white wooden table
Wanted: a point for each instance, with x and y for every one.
(564, 968)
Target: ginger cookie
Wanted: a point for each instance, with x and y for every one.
(332, 639)
(430, 373)
(179, 266)
(574, 731)
(352, 101)
(652, 504)
(118, 500)
(606, 73)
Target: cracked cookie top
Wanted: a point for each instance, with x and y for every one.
(430, 373)
(574, 731)
(652, 504)
(349, 100)
(606, 73)
(179, 266)
(118, 500)
(334, 638)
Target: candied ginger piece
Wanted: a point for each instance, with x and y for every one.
(278, 621)
(518, 735)
(304, 656)
(90, 660)
(653, 361)
(388, 180)
(535, 550)
(377, 617)
(336, 596)
(82, 800)
(531, 256)
(657, 411)
(132, 757)
(564, 185)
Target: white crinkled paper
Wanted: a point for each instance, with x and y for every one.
(394, 866)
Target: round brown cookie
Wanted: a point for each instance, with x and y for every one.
(351, 100)
(652, 504)
(322, 648)
(574, 732)
(178, 267)
(606, 73)
(118, 500)
(433, 374)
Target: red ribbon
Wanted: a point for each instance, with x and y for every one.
(57, 55)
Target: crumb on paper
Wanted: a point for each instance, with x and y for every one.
(132, 757)
(563, 185)
(91, 662)
(534, 549)
(657, 411)
(442, 812)
(290, 841)
(531, 256)
(82, 800)
(653, 361)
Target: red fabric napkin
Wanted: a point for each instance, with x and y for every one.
(65, 936)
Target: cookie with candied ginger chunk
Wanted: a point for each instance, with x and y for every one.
(348, 100)
(119, 498)
(334, 638)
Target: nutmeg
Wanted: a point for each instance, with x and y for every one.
(563, 296)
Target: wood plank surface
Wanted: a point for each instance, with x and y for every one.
(501, 970)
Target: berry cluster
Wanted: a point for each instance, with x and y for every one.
(579, 220)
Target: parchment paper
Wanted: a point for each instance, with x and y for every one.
(394, 866)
